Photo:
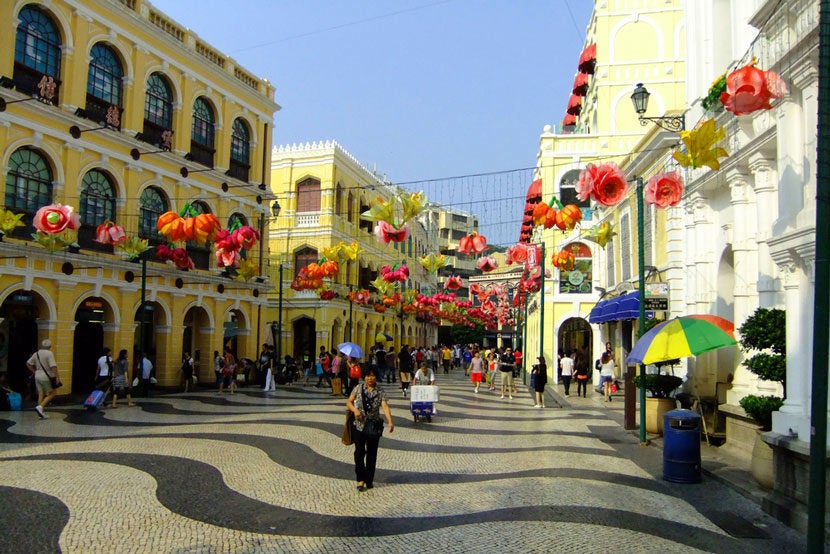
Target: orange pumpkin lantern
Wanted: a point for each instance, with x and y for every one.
(164, 222)
(564, 260)
(568, 217)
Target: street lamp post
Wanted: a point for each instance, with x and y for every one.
(278, 338)
(640, 97)
(641, 285)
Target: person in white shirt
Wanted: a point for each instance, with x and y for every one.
(145, 366)
(424, 376)
(606, 374)
(38, 364)
(567, 364)
(104, 368)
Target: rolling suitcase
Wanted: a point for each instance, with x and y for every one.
(95, 399)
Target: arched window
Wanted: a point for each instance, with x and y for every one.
(37, 54)
(202, 138)
(338, 201)
(304, 257)
(150, 206)
(97, 205)
(28, 186)
(579, 279)
(240, 151)
(104, 86)
(158, 112)
(349, 207)
(199, 254)
(308, 195)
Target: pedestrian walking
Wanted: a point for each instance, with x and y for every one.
(104, 372)
(218, 362)
(187, 371)
(476, 370)
(42, 363)
(506, 364)
(324, 368)
(366, 402)
(228, 372)
(540, 379)
(492, 367)
(446, 358)
(355, 372)
(581, 380)
(567, 370)
(606, 375)
(121, 380)
(145, 371)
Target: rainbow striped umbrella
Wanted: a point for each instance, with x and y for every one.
(681, 337)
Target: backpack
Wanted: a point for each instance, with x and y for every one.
(354, 371)
(597, 364)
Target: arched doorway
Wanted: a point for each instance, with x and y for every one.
(575, 334)
(196, 341)
(305, 339)
(88, 343)
(18, 326)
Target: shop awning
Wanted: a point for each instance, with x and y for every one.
(580, 87)
(588, 59)
(574, 105)
(622, 307)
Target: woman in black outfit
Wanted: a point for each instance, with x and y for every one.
(366, 402)
(540, 379)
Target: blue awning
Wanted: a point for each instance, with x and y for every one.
(626, 306)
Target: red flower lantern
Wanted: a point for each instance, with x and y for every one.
(56, 218)
(604, 182)
(750, 89)
(110, 233)
(664, 189)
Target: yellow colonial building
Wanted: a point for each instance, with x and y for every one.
(638, 42)
(322, 190)
(122, 113)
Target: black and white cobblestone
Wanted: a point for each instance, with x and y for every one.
(257, 472)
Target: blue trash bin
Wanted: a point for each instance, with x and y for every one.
(681, 446)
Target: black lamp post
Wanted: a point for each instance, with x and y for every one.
(276, 327)
(640, 100)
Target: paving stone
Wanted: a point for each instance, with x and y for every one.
(197, 473)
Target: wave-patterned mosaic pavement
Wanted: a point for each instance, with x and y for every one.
(257, 472)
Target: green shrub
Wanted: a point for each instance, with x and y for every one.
(660, 386)
(760, 408)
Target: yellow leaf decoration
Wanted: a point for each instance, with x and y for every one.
(52, 241)
(413, 204)
(133, 247)
(10, 221)
(350, 252)
(332, 252)
(600, 234)
(397, 210)
(247, 270)
(433, 262)
(700, 143)
(382, 286)
(380, 210)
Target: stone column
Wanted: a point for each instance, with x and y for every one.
(703, 255)
(745, 271)
(794, 416)
(766, 210)
(690, 256)
(745, 257)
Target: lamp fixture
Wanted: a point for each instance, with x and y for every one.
(136, 155)
(276, 209)
(640, 100)
(3, 102)
(185, 172)
(76, 131)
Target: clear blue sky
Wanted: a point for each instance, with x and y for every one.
(422, 89)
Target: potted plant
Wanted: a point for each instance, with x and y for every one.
(659, 388)
(764, 333)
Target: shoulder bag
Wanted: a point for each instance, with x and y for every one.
(347, 438)
(56, 384)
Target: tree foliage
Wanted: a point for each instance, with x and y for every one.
(461, 334)
(766, 329)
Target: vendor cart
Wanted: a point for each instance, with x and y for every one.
(422, 401)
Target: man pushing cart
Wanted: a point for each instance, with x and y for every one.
(424, 394)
